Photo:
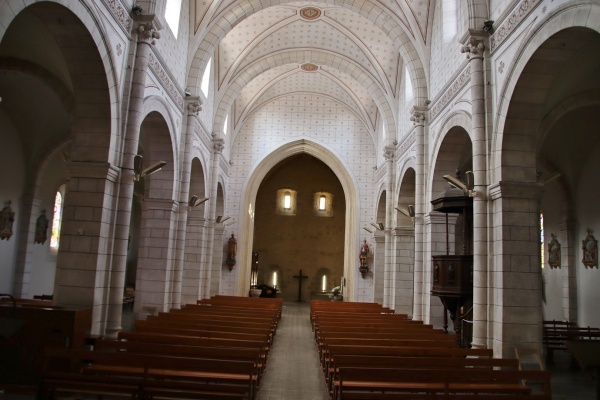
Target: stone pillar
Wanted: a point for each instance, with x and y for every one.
(31, 211)
(516, 280)
(377, 269)
(403, 284)
(192, 262)
(389, 153)
(146, 37)
(187, 143)
(474, 49)
(218, 145)
(418, 119)
(569, 269)
(82, 270)
(217, 263)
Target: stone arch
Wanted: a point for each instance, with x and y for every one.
(544, 30)
(250, 189)
(84, 20)
(240, 10)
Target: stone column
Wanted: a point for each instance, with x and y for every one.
(404, 281)
(187, 142)
(389, 153)
(516, 280)
(418, 119)
(377, 269)
(192, 262)
(31, 211)
(474, 49)
(146, 37)
(569, 269)
(218, 145)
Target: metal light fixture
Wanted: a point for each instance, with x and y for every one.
(408, 212)
(379, 225)
(195, 201)
(221, 219)
(140, 172)
(457, 183)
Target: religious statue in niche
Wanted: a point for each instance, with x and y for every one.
(7, 218)
(41, 228)
(363, 256)
(590, 250)
(554, 252)
(231, 251)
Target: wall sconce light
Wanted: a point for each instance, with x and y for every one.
(140, 172)
(488, 26)
(408, 212)
(137, 10)
(221, 219)
(379, 225)
(457, 183)
(195, 201)
(367, 229)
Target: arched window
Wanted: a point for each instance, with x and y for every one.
(225, 126)
(408, 89)
(542, 238)
(172, 14)
(287, 201)
(206, 78)
(322, 203)
(56, 220)
(449, 19)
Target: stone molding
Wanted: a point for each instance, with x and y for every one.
(389, 152)
(218, 145)
(194, 107)
(474, 48)
(407, 143)
(97, 170)
(160, 204)
(404, 231)
(459, 83)
(523, 190)
(120, 14)
(510, 24)
(161, 73)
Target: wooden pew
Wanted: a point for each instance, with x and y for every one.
(254, 355)
(120, 374)
(388, 383)
(556, 334)
(361, 361)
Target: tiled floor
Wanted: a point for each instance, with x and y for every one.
(293, 371)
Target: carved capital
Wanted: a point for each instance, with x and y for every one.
(218, 145)
(389, 152)
(147, 33)
(194, 107)
(417, 117)
(474, 48)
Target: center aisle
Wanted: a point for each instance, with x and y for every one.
(293, 371)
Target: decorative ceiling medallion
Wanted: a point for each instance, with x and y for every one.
(310, 13)
(309, 67)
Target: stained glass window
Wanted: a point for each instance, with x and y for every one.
(56, 221)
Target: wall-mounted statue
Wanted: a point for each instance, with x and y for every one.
(590, 250)
(363, 256)
(554, 252)
(41, 228)
(231, 251)
(7, 218)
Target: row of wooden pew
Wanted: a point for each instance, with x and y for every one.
(216, 349)
(557, 333)
(367, 352)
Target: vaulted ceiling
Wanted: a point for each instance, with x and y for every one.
(353, 51)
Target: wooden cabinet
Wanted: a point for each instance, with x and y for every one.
(24, 335)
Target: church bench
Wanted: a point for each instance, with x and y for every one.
(256, 356)
(219, 314)
(401, 362)
(391, 383)
(556, 334)
(153, 337)
(383, 337)
(203, 326)
(121, 374)
(149, 326)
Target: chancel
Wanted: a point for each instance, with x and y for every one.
(440, 156)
